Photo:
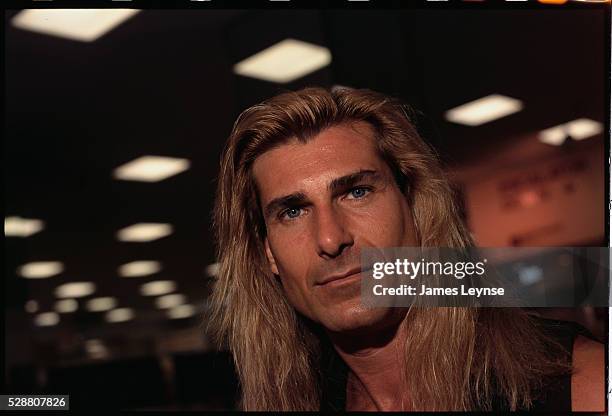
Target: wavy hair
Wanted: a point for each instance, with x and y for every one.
(467, 356)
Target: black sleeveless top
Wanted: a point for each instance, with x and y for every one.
(556, 396)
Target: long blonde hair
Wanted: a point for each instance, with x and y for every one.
(467, 356)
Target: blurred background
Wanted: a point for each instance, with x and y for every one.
(114, 125)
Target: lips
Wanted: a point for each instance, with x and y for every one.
(339, 276)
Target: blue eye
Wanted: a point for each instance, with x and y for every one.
(292, 212)
(359, 192)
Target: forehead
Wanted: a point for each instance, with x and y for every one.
(335, 152)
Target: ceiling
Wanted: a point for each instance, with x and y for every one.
(162, 84)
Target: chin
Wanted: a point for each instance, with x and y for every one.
(358, 319)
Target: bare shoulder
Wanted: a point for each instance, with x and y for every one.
(588, 379)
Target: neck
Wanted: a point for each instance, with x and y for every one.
(376, 368)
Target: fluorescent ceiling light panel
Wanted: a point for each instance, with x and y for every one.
(144, 232)
(554, 136)
(578, 129)
(101, 304)
(151, 168)
(157, 288)
(285, 61)
(170, 301)
(31, 306)
(40, 269)
(139, 268)
(483, 110)
(583, 128)
(22, 227)
(182, 311)
(75, 290)
(119, 315)
(66, 306)
(47, 319)
(85, 25)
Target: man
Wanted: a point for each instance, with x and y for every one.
(309, 178)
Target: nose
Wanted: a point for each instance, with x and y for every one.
(332, 235)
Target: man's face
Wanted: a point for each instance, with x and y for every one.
(322, 202)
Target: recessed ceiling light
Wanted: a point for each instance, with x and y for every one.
(40, 269)
(151, 168)
(170, 301)
(578, 129)
(119, 315)
(22, 227)
(85, 25)
(157, 288)
(96, 349)
(144, 231)
(31, 306)
(93, 343)
(182, 311)
(66, 306)
(483, 110)
(212, 270)
(75, 290)
(101, 304)
(139, 268)
(46, 319)
(285, 61)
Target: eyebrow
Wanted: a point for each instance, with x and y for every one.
(337, 185)
(286, 201)
(345, 182)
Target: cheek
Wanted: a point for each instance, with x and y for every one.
(290, 248)
(409, 237)
(291, 259)
(296, 289)
(291, 267)
(388, 223)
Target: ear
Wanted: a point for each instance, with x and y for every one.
(270, 256)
